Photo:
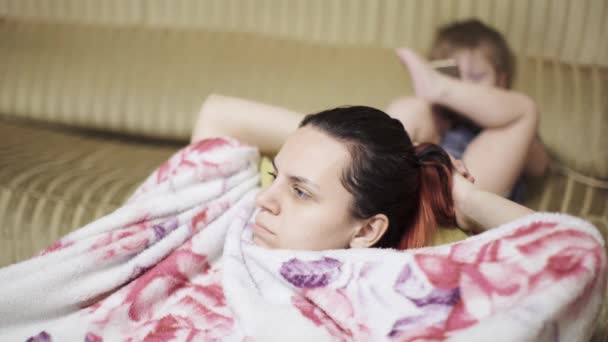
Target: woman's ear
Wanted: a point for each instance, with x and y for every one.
(370, 231)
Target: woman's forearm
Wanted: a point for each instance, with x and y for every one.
(262, 125)
(483, 210)
(488, 107)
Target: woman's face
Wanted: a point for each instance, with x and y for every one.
(306, 206)
(474, 66)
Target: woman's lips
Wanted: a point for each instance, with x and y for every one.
(260, 228)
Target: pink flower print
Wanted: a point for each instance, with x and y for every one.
(320, 318)
(161, 281)
(90, 337)
(166, 329)
(207, 145)
(57, 245)
(213, 321)
(459, 318)
(163, 171)
(440, 270)
(214, 294)
(532, 228)
(199, 220)
(182, 159)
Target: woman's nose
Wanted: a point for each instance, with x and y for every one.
(266, 199)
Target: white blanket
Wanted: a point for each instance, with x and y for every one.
(176, 263)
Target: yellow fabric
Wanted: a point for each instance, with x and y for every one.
(265, 169)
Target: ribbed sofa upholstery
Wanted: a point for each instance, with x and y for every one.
(95, 94)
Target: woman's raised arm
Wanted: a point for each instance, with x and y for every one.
(262, 125)
(478, 210)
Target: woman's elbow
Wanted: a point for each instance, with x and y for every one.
(207, 122)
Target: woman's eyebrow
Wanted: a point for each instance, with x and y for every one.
(297, 179)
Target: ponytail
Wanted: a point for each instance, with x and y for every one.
(435, 204)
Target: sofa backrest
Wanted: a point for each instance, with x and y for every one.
(564, 30)
(150, 79)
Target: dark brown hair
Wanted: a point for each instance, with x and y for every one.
(411, 185)
(472, 34)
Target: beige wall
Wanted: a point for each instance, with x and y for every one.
(566, 30)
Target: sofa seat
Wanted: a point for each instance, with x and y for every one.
(55, 180)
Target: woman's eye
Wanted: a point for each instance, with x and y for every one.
(300, 194)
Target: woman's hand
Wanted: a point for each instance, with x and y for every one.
(477, 210)
(428, 82)
(462, 188)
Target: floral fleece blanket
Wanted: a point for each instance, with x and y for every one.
(176, 263)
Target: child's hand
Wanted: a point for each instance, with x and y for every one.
(428, 83)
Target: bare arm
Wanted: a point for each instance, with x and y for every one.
(500, 153)
(488, 107)
(478, 210)
(502, 111)
(258, 124)
(418, 119)
(497, 108)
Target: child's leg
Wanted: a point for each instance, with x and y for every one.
(497, 156)
(538, 159)
(417, 118)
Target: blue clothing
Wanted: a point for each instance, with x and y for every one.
(456, 140)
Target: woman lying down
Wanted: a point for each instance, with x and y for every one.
(333, 249)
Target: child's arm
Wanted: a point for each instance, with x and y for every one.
(499, 154)
(488, 107)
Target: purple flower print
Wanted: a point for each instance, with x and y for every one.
(408, 284)
(42, 337)
(160, 230)
(411, 288)
(435, 305)
(420, 325)
(311, 274)
(439, 296)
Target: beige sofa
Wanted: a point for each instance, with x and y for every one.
(95, 94)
